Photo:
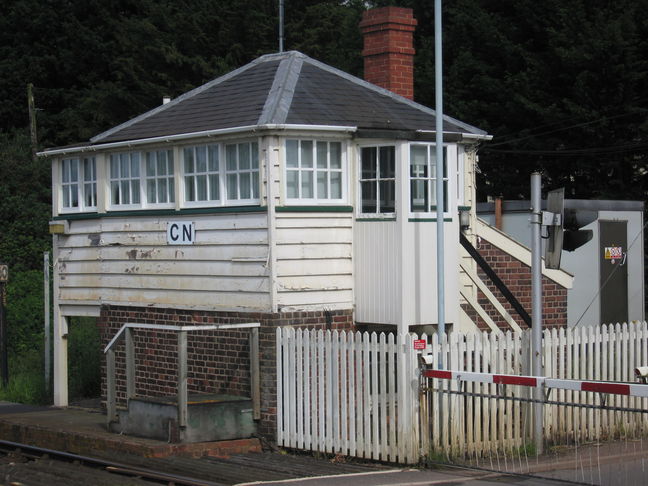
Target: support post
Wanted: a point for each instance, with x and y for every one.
(255, 374)
(130, 364)
(536, 297)
(60, 373)
(111, 392)
(182, 379)
(46, 313)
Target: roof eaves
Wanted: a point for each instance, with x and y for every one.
(181, 98)
(361, 82)
(279, 100)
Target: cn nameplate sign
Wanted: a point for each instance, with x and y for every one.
(181, 233)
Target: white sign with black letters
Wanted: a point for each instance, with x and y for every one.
(181, 233)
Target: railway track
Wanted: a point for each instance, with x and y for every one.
(26, 465)
(22, 464)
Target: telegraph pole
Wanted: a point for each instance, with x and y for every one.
(32, 119)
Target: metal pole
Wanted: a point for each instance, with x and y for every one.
(46, 289)
(4, 363)
(438, 88)
(536, 299)
(281, 25)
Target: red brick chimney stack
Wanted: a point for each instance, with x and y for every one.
(389, 48)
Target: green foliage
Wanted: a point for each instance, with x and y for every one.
(84, 359)
(24, 312)
(26, 378)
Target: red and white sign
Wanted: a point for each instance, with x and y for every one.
(420, 344)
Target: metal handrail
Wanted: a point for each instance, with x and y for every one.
(163, 327)
(126, 329)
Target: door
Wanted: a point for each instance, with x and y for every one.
(613, 265)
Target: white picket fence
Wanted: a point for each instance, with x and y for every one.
(341, 393)
(460, 424)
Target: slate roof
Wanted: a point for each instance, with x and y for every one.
(287, 88)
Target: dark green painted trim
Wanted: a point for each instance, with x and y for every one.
(314, 209)
(464, 208)
(162, 212)
(428, 220)
(375, 219)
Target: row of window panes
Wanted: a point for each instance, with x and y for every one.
(314, 170)
(378, 179)
(423, 178)
(378, 173)
(79, 183)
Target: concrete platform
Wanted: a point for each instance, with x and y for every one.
(83, 431)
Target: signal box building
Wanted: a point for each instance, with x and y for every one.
(286, 193)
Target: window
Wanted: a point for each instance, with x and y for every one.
(242, 171)
(423, 178)
(79, 184)
(125, 179)
(159, 177)
(214, 177)
(201, 173)
(142, 179)
(314, 170)
(377, 179)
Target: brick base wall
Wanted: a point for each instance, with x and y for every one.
(517, 277)
(218, 361)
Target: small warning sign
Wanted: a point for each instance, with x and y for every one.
(419, 344)
(613, 253)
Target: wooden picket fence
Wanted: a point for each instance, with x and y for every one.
(470, 425)
(358, 394)
(348, 393)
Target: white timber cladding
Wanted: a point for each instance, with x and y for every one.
(314, 267)
(127, 260)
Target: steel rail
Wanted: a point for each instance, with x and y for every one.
(110, 466)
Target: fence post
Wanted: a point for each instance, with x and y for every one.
(130, 364)
(111, 399)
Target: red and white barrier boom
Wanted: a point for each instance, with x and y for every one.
(630, 389)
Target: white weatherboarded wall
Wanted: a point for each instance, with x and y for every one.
(126, 260)
(314, 260)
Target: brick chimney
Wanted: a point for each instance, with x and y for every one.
(389, 48)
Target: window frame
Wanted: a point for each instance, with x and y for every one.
(223, 194)
(169, 176)
(142, 178)
(314, 169)
(449, 177)
(378, 179)
(81, 185)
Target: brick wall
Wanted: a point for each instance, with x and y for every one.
(517, 277)
(389, 49)
(218, 361)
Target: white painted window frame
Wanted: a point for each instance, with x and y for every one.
(240, 172)
(223, 196)
(451, 178)
(169, 177)
(378, 214)
(183, 175)
(142, 179)
(315, 200)
(81, 185)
